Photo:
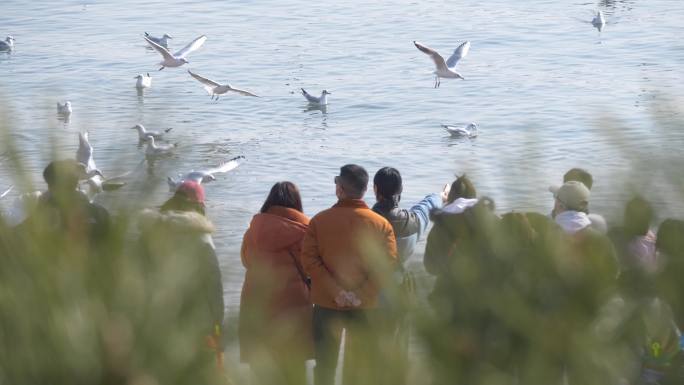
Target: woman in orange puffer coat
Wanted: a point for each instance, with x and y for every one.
(275, 311)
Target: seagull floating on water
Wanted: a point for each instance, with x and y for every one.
(7, 44)
(154, 149)
(322, 100)
(469, 131)
(64, 109)
(144, 81)
(205, 176)
(445, 69)
(599, 21)
(215, 89)
(162, 41)
(143, 134)
(178, 58)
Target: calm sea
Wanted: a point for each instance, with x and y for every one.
(548, 91)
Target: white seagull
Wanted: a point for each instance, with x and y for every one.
(445, 69)
(205, 176)
(7, 44)
(144, 81)
(178, 58)
(4, 193)
(322, 100)
(91, 174)
(162, 41)
(143, 134)
(154, 149)
(215, 89)
(469, 131)
(599, 21)
(64, 109)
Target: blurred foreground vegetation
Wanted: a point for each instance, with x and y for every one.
(518, 310)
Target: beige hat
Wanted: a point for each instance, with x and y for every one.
(573, 195)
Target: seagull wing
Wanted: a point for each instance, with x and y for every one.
(84, 154)
(4, 194)
(311, 99)
(193, 46)
(459, 53)
(436, 57)
(163, 51)
(242, 92)
(230, 165)
(208, 84)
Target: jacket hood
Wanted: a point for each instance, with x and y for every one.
(182, 221)
(278, 228)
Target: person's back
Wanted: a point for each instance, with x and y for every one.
(408, 225)
(349, 252)
(275, 319)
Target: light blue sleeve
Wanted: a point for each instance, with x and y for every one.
(422, 210)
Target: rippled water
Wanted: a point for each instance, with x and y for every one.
(540, 80)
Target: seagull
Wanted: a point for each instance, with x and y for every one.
(599, 21)
(469, 131)
(205, 176)
(215, 89)
(64, 109)
(91, 174)
(178, 58)
(143, 134)
(7, 44)
(154, 149)
(322, 100)
(162, 41)
(144, 81)
(445, 69)
(4, 193)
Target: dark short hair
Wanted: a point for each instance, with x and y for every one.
(462, 188)
(638, 216)
(579, 175)
(61, 172)
(354, 179)
(284, 194)
(387, 181)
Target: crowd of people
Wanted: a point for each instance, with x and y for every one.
(518, 297)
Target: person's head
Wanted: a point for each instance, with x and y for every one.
(638, 217)
(62, 176)
(579, 175)
(285, 194)
(387, 184)
(571, 196)
(462, 188)
(352, 182)
(189, 196)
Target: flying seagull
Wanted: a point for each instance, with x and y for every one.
(178, 58)
(205, 176)
(215, 89)
(445, 69)
(4, 193)
(90, 173)
(162, 41)
(322, 100)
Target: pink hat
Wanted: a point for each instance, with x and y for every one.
(191, 191)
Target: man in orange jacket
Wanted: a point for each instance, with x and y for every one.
(349, 252)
